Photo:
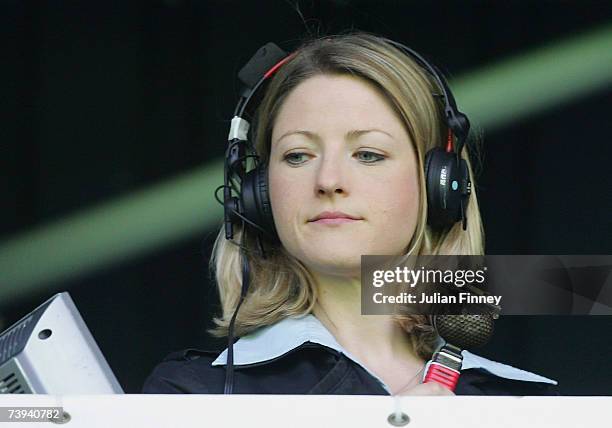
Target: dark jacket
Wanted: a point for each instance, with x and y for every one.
(299, 356)
(308, 369)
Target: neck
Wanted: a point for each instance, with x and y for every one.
(373, 339)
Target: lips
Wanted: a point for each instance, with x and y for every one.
(334, 215)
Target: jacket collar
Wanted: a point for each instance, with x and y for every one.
(273, 341)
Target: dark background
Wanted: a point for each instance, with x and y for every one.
(103, 98)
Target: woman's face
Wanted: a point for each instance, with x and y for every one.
(338, 146)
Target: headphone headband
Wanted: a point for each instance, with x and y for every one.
(269, 58)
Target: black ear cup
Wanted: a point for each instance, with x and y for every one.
(448, 188)
(256, 200)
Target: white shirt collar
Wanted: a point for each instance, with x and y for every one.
(276, 340)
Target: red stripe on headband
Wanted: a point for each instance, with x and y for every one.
(271, 71)
(449, 142)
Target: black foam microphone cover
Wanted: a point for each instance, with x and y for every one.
(464, 331)
(264, 59)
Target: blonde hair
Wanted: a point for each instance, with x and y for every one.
(280, 285)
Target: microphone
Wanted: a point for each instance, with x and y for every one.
(459, 332)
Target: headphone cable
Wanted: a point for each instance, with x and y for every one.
(229, 373)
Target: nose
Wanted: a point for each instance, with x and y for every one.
(331, 177)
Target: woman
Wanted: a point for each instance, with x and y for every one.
(343, 131)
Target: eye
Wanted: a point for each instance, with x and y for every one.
(369, 157)
(295, 158)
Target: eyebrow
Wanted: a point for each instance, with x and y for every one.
(350, 135)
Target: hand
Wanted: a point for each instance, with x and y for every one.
(429, 388)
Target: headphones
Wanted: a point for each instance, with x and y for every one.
(447, 179)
